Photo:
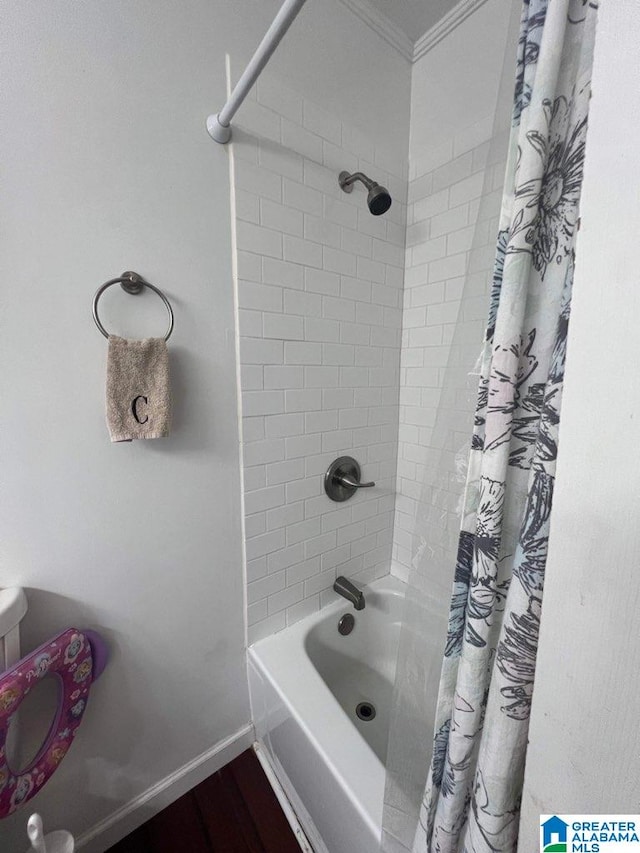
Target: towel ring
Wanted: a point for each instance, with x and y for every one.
(132, 283)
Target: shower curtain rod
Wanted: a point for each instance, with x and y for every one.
(219, 126)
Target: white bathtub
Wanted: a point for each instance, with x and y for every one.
(305, 684)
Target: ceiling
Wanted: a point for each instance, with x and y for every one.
(414, 17)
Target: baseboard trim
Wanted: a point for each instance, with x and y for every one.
(130, 816)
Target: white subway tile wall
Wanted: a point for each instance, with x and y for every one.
(320, 283)
(452, 222)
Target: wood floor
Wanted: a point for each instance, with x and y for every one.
(233, 811)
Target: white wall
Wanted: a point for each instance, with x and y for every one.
(455, 84)
(456, 175)
(320, 294)
(343, 66)
(106, 166)
(583, 742)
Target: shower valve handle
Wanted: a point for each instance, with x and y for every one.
(347, 480)
(342, 479)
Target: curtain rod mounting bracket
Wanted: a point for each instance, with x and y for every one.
(219, 126)
(219, 132)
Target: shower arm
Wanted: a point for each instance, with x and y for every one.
(219, 126)
(347, 180)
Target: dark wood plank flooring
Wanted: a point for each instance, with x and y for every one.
(233, 811)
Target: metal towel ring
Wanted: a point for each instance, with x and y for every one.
(132, 283)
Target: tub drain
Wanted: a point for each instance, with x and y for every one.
(365, 711)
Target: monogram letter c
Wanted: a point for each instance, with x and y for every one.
(134, 409)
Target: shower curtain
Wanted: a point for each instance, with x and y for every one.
(472, 794)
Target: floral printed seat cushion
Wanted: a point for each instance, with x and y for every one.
(69, 657)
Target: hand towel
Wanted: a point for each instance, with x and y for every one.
(138, 393)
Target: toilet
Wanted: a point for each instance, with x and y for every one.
(76, 658)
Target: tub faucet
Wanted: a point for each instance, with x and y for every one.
(349, 591)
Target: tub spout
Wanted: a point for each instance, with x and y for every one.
(349, 591)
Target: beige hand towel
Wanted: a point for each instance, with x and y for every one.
(138, 395)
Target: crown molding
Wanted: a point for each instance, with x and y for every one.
(398, 39)
(385, 28)
(445, 25)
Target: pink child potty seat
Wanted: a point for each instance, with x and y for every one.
(76, 658)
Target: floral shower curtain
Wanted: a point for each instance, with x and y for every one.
(472, 798)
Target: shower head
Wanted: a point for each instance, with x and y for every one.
(378, 198)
